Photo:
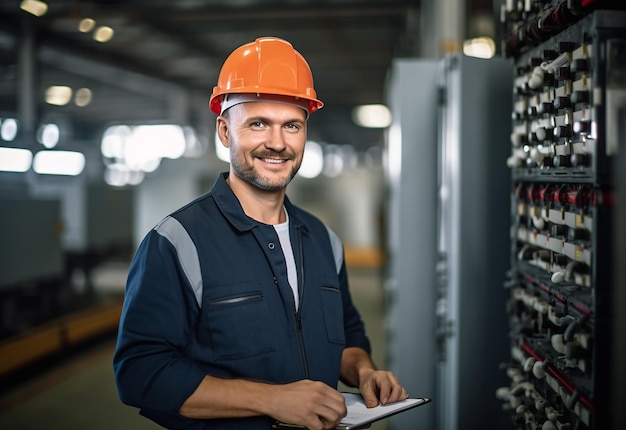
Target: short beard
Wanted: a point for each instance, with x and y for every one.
(248, 174)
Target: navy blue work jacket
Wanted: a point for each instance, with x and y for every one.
(207, 293)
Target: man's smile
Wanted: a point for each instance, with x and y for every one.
(274, 160)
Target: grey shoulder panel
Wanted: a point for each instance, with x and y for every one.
(171, 229)
(337, 248)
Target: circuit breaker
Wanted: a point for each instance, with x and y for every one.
(569, 87)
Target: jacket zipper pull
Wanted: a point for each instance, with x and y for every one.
(298, 321)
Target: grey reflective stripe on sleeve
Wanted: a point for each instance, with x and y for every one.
(186, 250)
(337, 247)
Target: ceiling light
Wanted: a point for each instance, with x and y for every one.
(312, 161)
(34, 7)
(15, 159)
(147, 165)
(48, 135)
(8, 129)
(116, 175)
(58, 95)
(480, 47)
(160, 140)
(142, 147)
(103, 34)
(83, 97)
(372, 116)
(119, 175)
(114, 141)
(86, 25)
(59, 163)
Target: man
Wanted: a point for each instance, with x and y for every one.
(237, 311)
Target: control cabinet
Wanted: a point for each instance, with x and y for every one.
(448, 227)
(569, 89)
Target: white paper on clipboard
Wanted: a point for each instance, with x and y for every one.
(360, 415)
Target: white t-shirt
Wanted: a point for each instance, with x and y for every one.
(285, 243)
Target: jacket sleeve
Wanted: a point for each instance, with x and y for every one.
(157, 319)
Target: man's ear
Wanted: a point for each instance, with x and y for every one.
(221, 126)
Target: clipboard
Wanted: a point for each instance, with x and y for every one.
(360, 415)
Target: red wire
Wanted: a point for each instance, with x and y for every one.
(582, 309)
(558, 376)
(587, 3)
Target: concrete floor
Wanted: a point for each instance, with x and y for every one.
(78, 391)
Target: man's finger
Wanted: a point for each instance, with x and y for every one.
(370, 397)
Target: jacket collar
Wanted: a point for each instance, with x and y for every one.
(230, 207)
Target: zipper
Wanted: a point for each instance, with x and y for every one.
(300, 269)
(297, 313)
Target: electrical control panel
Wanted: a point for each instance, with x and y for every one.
(569, 84)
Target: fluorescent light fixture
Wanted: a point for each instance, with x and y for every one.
(58, 95)
(114, 141)
(480, 47)
(160, 140)
(34, 7)
(313, 160)
(86, 25)
(49, 135)
(119, 175)
(142, 147)
(67, 163)
(138, 156)
(103, 34)
(83, 97)
(115, 175)
(15, 159)
(8, 129)
(372, 116)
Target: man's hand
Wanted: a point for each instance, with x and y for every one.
(312, 404)
(380, 387)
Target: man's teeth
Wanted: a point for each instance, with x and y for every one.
(273, 160)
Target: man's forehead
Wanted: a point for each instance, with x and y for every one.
(269, 110)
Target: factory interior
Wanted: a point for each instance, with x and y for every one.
(469, 154)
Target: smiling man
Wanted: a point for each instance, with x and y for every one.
(237, 311)
(266, 140)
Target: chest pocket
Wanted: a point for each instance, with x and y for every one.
(333, 314)
(239, 321)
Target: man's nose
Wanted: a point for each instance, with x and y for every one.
(276, 139)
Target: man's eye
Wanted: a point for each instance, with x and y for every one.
(292, 127)
(257, 124)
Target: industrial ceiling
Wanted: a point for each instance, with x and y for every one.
(165, 56)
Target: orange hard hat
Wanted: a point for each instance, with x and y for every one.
(268, 65)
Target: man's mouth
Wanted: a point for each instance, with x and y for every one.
(273, 160)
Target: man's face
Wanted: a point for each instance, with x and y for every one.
(266, 142)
